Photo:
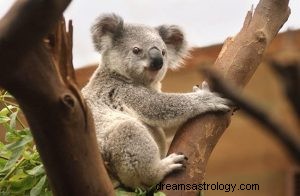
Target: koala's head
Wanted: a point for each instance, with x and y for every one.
(138, 52)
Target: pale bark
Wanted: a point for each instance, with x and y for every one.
(237, 62)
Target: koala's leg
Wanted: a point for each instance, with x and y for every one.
(135, 156)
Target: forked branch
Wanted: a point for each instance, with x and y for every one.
(237, 62)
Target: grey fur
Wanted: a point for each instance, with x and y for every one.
(129, 110)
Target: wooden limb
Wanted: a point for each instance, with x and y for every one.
(280, 132)
(29, 21)
(24, 25)
(57, 42)
(241, 55)
(237, 61)
(61, 125)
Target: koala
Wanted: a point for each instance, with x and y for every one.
(129, 110)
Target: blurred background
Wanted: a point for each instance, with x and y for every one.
(246, 153)
(205, 22)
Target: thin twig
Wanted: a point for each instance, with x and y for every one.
(21, 161)
(2, 157)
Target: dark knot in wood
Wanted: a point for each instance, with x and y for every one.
(68, 101)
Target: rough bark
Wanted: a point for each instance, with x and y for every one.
(237, 62)
(42, 80)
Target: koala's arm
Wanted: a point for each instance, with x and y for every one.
(170, 109)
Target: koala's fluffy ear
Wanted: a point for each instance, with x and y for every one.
(106, 28)
(174, 38)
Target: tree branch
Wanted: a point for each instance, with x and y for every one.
(237, 62)
(280, 132)
(61, 125)
(28, 21)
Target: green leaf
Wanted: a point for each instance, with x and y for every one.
(27, 155)
(159, 194)
(11, 137)
(25, 140)
(13, 118)
(22, 184)
(2, 147)
(46, 193)
(11, 134)
(5, 154)
(122, 192)
(36, 190)
(13, 159)
(25, 131)
(3, 187)
(3, 162)
(18, 176)
(4, 112)
(140, 192)
(38, 170)
(4, 119)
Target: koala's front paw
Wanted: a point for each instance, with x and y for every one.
(212, 101)
(219, 104)
(216, 103)
(174, 162)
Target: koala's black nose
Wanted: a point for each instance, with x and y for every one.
(156, 59)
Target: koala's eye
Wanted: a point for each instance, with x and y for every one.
(136, 50)
(163, 52)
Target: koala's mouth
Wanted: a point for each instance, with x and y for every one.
(151, 70)
(151, 74)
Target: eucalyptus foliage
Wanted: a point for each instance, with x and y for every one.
(21, 170)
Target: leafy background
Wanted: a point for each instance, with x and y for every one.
(21, 170)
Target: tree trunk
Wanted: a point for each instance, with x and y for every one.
(42, 80)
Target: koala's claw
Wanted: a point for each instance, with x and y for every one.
(223, 108)
(216, 103)
(196, 88)
(175, 158)
(204, 87)
(181, 153)
(174, 162)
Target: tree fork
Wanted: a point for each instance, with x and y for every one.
(237, 62)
